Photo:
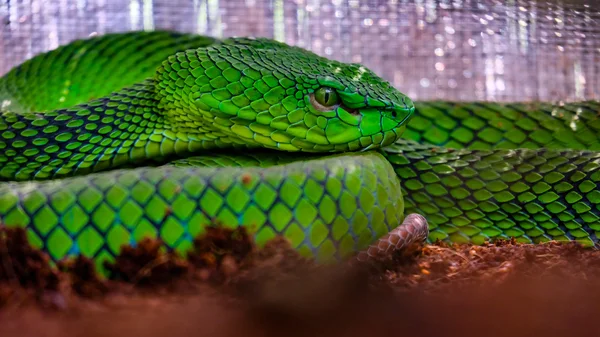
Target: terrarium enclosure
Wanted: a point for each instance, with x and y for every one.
(498, 50)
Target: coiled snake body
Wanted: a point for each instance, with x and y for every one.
(111, 139)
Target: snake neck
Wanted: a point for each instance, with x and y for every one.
(124, 129)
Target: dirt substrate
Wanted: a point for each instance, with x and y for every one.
(227, 287)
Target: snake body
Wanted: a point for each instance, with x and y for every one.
(114, 138)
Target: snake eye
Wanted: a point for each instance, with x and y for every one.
(325, 98)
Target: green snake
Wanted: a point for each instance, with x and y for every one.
(108, 140)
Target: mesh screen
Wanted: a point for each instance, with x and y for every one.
(429, 49)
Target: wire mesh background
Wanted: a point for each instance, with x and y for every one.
(505, 50)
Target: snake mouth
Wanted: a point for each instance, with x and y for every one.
(384, 138)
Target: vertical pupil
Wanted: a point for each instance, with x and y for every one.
(326, 96)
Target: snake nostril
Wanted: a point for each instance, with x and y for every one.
(394, 113)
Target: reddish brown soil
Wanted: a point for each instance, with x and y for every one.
(228, 287)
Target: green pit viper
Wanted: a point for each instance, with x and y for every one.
(110, 139)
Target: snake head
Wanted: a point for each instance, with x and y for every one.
(264, 93)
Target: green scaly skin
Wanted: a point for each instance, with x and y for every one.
(115, 138)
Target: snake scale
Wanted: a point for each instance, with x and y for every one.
(114, 138)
